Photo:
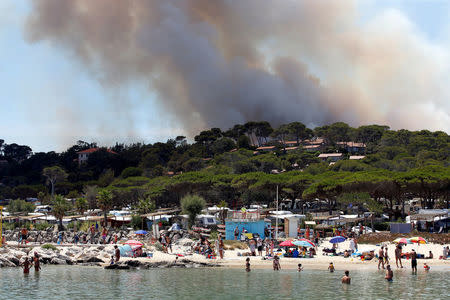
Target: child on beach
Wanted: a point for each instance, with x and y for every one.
(331, 267)
(300, 268)
(426, 267)
(247, 264)
(111, 262)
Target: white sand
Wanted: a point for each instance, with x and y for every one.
(320, 261)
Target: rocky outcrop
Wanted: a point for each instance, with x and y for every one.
(184, 263)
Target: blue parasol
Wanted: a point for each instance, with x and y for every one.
(143, 232)
(337, 239)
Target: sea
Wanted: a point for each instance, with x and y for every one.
(77, 282)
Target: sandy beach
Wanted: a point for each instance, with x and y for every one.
(232, 259)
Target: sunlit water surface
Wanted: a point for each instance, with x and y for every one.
(62, 282)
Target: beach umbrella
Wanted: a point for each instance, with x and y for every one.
(143, 232)
(303, 244)
(402, 241)
(133, 243)
(126, 251)
(287, 244)
(418, 240)
(337, 239)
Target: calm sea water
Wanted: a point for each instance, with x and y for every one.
(58, 282)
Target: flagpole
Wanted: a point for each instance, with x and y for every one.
(276, 219)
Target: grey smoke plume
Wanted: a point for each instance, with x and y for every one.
(221, 62)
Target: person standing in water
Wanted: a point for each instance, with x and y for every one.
(331, 267)
(300, 268)
(426, 267)
(414, 261)
(389, 273)
(386, 256)
(37, 263)
(276, 263)
(346, 278)
(26, 266)
(381, 258)
(247, 264)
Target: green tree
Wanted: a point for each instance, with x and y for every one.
(145, 206)
(59, 208)
(20, 206)
(105, 202)
(90, 193)
(192, 205)
(54, 174)
(81, 205)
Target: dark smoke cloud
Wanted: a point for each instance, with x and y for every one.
(217, 63)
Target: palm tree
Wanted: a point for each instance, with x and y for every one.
(81, 205)
(59, 208)
(105, 202)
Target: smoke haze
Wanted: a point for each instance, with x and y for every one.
(218, 63)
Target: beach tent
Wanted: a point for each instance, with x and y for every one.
(126, 251)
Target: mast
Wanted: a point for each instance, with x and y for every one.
(276, 219)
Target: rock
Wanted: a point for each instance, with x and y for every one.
(13, 260)
(94, 259)
(117, 267)
(133, 263)
(57, 261)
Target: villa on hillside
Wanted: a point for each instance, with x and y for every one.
(83, 156)
(352, 147)
(333, 157)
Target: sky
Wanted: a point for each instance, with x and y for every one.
(49, 100)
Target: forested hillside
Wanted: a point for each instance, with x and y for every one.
(229, 166)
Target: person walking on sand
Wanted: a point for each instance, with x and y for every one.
(331, 267)
(389, 273)
(381, 258)
(117, 253)
(259, 245)
(398, 255)
(276, 263)
(346, 278)
(414, 261)
(247, 264)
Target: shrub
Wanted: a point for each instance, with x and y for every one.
(49, 247)
(42, 226)
(131, 172)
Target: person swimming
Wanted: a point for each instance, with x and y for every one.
(426, 267)
(346, 278)
(331, 267)
(389, 274)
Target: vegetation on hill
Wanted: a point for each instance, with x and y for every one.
(225, 165)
